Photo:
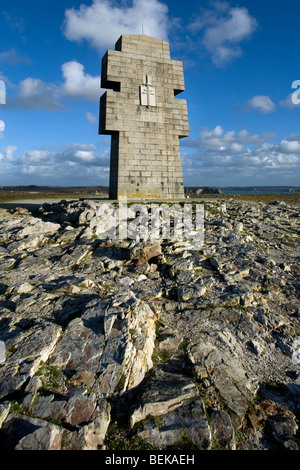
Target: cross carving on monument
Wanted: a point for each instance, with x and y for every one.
(148, 93)
(145, 121)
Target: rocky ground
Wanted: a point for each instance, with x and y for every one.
(150, 345)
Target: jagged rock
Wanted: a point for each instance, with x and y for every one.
(22, 288)
(93, 434)
(222, 429)
(83, 342)
(19, 227)
(284, 431)
(186, 424)
(90, 436)
(75, 410)
(185, 293)
(21, 432)
(4, 410)
(163, 395)
(150, 327)
(170, 340)
(43, 438)
(30, 392)
(127, 356)
(145, 254)
(30, 349)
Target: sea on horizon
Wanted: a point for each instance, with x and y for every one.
(260, 190)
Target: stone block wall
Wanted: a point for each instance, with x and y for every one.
(144, 118)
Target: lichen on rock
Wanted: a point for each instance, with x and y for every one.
(180, 348)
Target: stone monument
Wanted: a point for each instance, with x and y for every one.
(144, 118)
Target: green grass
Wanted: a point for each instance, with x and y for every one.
(186, 443)
(19, 196)
(52, 378)
(121, 384)
(67, 193)
(121, 437)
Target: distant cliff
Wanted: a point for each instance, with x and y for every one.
(205, 190)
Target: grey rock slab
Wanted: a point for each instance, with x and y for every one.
(93, 434)
(29, 350)
(4, 411)
(185, 424)
(75, 410)
(127, 356)
(90, 436)
(222, 429)
(185, 293)
(22, 432)
(81, 346)
(44, 438)
(162, 395)
(36, 226)
(284, 430)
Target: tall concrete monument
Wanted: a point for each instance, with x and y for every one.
(144, 118)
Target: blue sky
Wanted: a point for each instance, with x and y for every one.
(241, 62)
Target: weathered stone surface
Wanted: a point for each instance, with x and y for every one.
(75, 410)
(145, 153)
(127, 355)
(44, 438)
(30, 349)
(162, 395)
(222, 429)
(25, 433)
(92, 435)
(186, 424)
(284, 431)
(152, 252)
(4, 410)
(86, 329)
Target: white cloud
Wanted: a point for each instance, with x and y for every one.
(91, 117)
(75, 164)
(6, 81)
(36, 156)
(223, 28)
(217, 157)
(9, 151)
(78, 84)
(81, 155)
(290, 146)
(288, 102)
(33, 93)
(217, 139)
(103, 22)
(2, 129)
(262, 104)
(85, 155)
